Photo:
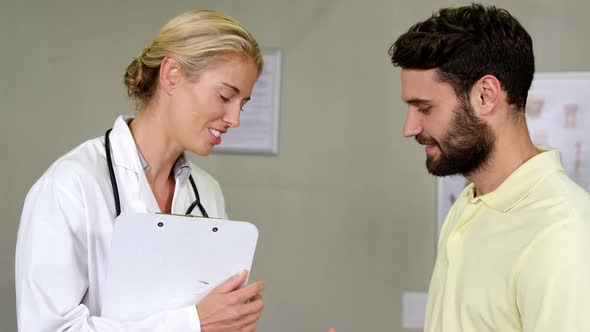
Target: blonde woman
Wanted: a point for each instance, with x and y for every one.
(190, 85)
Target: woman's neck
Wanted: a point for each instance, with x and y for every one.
(155, 143)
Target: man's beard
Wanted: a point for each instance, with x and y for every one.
(465, 148)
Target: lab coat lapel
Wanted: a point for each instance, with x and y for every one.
(131, 178)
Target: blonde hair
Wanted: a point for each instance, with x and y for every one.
(196, 39)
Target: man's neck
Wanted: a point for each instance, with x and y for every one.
(513, 147)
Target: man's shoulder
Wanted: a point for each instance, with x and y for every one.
(559, 195)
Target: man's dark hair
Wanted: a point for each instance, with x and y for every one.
(466, 43)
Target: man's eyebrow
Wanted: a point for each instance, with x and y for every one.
(418, 101)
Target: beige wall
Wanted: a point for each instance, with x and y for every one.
(346, 211)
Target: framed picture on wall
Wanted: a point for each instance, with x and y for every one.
(258, 132)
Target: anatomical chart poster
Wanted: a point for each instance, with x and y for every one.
(558, 117)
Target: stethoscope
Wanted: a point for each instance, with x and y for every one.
(107, 146)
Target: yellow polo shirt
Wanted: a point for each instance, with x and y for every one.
(516, 259)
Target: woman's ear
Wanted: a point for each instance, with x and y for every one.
(170, 75)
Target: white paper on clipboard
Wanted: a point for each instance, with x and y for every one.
(159, 262)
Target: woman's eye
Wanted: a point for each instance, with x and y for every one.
(224, 99)
(242, 107)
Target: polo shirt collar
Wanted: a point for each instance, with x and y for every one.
(521, 182)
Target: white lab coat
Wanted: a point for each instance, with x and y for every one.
(65, 233)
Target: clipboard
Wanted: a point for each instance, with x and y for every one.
(159, 262)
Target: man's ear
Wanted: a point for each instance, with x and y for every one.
(170, 75)
(486, 95)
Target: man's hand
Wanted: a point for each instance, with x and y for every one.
(231, 308)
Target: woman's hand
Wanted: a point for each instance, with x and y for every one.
(231, 308)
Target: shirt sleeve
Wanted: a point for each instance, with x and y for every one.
(553, 287)
(51, 270)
